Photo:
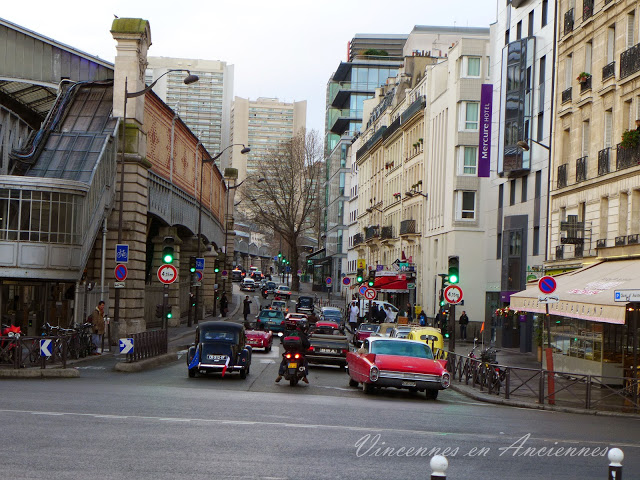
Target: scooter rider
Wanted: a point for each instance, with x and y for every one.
(301, 333)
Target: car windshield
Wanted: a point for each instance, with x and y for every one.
(331, 313)
(304, 301)
(220, 335)
(284, 288)
(271, 285)
(405, 349)
(278, 303)
(271, 315)
(369, 327)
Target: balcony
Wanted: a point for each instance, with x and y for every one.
(371, 232)
(585, 85)
(602, 243)
(408, 227)
(587, 9)
(566, 95)
(562, 176)
(609, 71)
(341, 94)
(627, 157)
(568, 22)
(632, 239)
(386, 233)
(559, 252)
(603, 161)
(621, 241)
(630, 61)
(578, 250)
(357, 239)
(581, 169)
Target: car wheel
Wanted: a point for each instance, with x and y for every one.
(432, 394)
(368, 388)
(343, 368)
(352, 382)
(192, 372)
(243, 373)
(268, 349)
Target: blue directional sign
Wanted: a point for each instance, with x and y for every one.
(126, 345)
(199, 263)
(122, 253)
(288, 269)
(45, 348)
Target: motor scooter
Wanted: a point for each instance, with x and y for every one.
(9, 343)
(294, 360)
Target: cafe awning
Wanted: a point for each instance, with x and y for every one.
(391, 283)
(587, 293)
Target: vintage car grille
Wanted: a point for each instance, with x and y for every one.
(410, 376)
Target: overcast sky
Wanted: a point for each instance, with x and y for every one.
(279, 48)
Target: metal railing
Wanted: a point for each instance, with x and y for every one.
(148, 344)
(585, 85)
(358, 239)
(566, 95)
(562, 176)
(24, 352)
(559, 252)
(540, 386)
(372, 232)
(608, 71)
(407, 227)
(627, 157)
(630, 61)
(568, 22)
(386, 233)
(581, 169)
(587, 9)
(603, 161)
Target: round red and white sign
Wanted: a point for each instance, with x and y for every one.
(167, 274)
(370, 294)
(453, 294)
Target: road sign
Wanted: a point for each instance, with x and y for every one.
(411, 286)
(548, 299)
(346, 281)
(199, 263)
(453, 294)
(328, 280)
(547, 284)
(198, 276)
(362, 263)
(625, 296)
(120, 272)
(126, 345)
(362, 289)
(370, 294)
(45, 348)
(224, 274)
(167, 274)
(118, 284)
(122, 253)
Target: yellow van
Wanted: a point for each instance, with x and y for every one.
(429, 335)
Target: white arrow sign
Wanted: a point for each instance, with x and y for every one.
(45, 348)
(548, 299)
(126, 345)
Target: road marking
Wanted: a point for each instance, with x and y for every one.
(335, 388)
(267, 361)
(90, 368)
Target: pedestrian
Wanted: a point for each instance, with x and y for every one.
(382, 315)
(409, 312)
(224, 303)
(464, 321)
(422, 318)
(373, 315)
(97, 329)
(388, 314)
(354, 311)
(246, 310)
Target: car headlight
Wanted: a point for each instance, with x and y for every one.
(374, 373)
(445, 380)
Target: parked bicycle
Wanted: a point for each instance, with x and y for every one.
(486, 370)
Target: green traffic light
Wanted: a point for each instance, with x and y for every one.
(169, 314)
(371, 283)
(359, 278)
(192, 269)
(216, 270)
(453, 278)
(446, 335)
(168, 258)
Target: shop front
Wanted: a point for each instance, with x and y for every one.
(593, 325)
(393, 287)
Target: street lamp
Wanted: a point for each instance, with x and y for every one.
(189, 79)
(525, 146)
(209, 160)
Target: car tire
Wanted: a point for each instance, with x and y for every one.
(268, 348)
(432, 394)
(368, 388)
(192, 372)
(343, 368)
(243, 373)
(352, 382)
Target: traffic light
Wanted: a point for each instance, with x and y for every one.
(159, 310)
(216, 267)
(279, 255)
(360, 276)
(372, 278)
(192, 264)
(442, 303)
(445, 324)
(167, 250)
(169, 314)
(454, 270)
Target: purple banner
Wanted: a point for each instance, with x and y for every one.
(484, 140)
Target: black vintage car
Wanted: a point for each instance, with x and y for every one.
(219, 347)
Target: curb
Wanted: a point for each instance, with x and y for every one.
(40, 373)
(146, 364)
(535, 406)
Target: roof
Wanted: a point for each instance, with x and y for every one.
(214, 325)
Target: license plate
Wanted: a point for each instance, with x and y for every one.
(407, 383)
(293, 365)
(216, 357)
(328, 350)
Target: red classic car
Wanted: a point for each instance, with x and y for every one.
(395, 362)
(260, 339)
(326, 327)
(365, 330)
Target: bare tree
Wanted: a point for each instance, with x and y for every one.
(285, 201)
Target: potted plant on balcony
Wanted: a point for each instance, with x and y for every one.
(583, 77)
(630, 139)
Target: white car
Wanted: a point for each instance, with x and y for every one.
(283, 291)
(248, 285)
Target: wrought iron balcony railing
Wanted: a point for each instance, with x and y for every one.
(568, 22)
(585, 85)
(630, 61)
(559, 252)
(581, 169)
(609, 71)
(587, 9)
(372, 232)
(562, 176)
(386, 233)
(357, 239)
(407, 227)
(621, 241)
(632, 239)
(602, 243)
(578, 250)
(566, 95)
(603, 161)
(627, 157)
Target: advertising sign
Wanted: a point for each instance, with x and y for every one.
(484, 140)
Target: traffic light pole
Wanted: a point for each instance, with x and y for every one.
(452, 328)
(165, 304)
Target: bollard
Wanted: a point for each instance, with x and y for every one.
(615, 467)
(439, 465)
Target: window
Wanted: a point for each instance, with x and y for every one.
(530, 24)
(611, 43)
(468, 160)
(506, 37)
(519, 30)
(568, 71)
(500, 195)
(588, 54)
(536, 241)
(604, 217)
(523, 196)
(499, 246)
(471, 66)
(608, 128)
(544, 12)
(512, 192)
(538, 184)
(585, 138)
(469, 114)
(631, 18)
(466, 205)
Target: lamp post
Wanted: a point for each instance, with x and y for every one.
(189, 79)
(210, 160)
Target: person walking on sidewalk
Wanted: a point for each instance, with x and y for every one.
(354, 311)
(464, 321)
(224, 304)
(246, 310)
(97, 329)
